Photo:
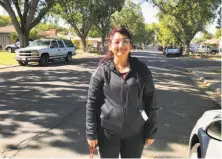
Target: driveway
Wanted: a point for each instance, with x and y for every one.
(42, 109)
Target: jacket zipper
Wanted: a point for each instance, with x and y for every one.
(124, 111)
(124, 108)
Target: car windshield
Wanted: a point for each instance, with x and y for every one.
(40, 43)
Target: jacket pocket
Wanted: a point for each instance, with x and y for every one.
(134, 119)
(111, 118)
(105, 111)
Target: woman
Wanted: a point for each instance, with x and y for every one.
(121, 108)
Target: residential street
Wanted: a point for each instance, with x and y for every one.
(42, 109)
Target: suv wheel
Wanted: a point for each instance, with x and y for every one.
(68, 58)
(44, 60)
(23, 63)
(9, 49)
(195, 152)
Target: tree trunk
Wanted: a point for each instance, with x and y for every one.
(24, 39)
(83, 40)
(103, 43)
(187, 45)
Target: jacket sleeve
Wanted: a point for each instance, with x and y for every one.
(151, 107)
(94, 92)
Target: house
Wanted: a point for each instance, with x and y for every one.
(5, 35)
(51, 33)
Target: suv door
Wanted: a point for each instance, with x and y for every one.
(63, 51)
(55, 50)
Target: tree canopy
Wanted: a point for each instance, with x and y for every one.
(77, 13)
(131, 16)
(26, 14)
(185, 18)
(5, 20)
(102, 12)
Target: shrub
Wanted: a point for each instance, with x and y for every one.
(76, 43)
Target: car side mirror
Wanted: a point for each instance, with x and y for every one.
(51, 46)
(214, 130)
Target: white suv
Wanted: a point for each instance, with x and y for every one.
(45, 50)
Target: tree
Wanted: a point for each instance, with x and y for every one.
(206, 36)
(219, 21)
(45, 27)
(218, 33)
(5, 20)
(34, 34)
(95, 32)
(164, 35)
(149, 34)
(30, 13)
(187, 17)
(102, 12)
(131, 16)
(77, 13)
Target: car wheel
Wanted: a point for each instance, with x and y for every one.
(213, 53)
(44, 60)
(23, 63)
(68, 58)
(195, 151)
(9, 49)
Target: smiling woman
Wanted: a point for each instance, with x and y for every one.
(121, 108)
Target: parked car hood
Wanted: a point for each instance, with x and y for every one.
(207, 118)
(32, 48)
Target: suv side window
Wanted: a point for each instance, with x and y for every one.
(68, 43)
(54, 44)
(61, 45)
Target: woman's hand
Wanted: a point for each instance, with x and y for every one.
(149, 141)
(92, 143)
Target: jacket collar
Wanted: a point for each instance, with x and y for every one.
(131, 61)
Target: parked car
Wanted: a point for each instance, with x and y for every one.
(160, 48)
(207, 49)
(12, 47)
(205, 138)
(45, 50)
(172, 52)
(139, 47)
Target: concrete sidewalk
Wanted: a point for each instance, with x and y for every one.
(209, 79)
(8, 66)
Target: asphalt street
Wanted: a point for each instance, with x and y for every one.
(42, 109)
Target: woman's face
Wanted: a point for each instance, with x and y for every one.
(120, 45)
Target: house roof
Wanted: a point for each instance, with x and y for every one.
(211, 41)
(7, 29)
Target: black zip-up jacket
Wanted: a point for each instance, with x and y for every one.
(114, 103)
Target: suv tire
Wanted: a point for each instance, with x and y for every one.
(44, 60)
(23, 63)
(68, 58)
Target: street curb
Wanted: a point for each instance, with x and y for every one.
(10, 66)
(207, 85)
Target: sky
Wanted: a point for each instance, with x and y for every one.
(149, 13)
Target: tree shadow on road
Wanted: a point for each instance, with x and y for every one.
(43, 108)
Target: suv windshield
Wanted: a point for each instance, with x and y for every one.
(40, 43)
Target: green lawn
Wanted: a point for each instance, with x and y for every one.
(7, 58)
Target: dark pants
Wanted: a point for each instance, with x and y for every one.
(111, 145)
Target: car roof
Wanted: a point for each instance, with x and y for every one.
(50, 39)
